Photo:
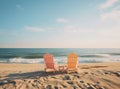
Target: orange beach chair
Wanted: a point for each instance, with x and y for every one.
(49, 62)
(72, 63)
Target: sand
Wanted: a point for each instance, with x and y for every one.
(32, 76)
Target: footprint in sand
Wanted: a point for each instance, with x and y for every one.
(66, 77)
(64, 86)
(76, 76)
(49, 87)
(81, 81)
(55, 87)
(70, 82)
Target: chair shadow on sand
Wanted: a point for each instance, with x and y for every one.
(31, 75)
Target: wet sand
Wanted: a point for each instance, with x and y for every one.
(32, 76)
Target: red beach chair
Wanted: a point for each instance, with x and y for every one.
(49, 62)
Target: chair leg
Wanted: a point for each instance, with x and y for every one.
(45, 69)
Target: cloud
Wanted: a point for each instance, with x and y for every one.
(34, 29)
(39, 29)
(71, 28)
(113, 15)
(19, 7)
(114, 12)
(117, 7)
(51, 29)
(108, 3)
(62, 20)
(76, 29)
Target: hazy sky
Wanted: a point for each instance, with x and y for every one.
(60, 23)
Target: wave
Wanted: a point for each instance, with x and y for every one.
(95, 55)
(63, 60)
(35, 56)
(16, 56)
(93, 60)
(114, 54)
(23, 60)
(37, 60)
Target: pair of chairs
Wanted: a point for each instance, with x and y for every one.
(70, 67)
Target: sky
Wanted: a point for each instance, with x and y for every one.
(59, 23)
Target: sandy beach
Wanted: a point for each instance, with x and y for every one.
(32, 76)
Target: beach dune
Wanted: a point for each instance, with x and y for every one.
(32, 76)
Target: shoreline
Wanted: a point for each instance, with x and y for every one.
(58, 62)
(62, 63)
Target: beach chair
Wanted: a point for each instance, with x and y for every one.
(49, 63)
(72, 63)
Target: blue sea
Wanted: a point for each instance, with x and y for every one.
(35, 55)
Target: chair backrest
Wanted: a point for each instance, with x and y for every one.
(48, 60)
(72, 60)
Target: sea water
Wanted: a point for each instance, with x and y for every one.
(35, 55)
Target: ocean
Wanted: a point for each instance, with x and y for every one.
(35, 55)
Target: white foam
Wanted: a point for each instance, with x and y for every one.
(103, 55)
(23, 60)
(61, 60)
(37, 60)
